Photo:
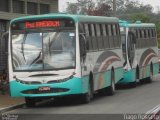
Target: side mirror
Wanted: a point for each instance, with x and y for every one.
(82, 40)
(4, 35)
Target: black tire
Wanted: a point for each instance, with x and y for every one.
(150, 78)
(111, 89)
(133, 84)
(103, 92)
(30, 102)
(87, 97)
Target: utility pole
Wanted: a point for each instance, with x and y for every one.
(114, 8)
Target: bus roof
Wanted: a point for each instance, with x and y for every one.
(137, 24)
(76, 18)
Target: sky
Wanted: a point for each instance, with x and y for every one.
(154, 3)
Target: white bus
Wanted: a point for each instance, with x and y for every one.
(140, 50)
(56, 55)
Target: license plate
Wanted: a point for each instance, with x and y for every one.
(45, 88)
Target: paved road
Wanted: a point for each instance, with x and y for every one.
(126, 100)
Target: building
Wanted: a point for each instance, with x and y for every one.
(10, 9)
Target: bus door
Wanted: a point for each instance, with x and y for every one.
(131, 47)
(82, 42)
(123, 39)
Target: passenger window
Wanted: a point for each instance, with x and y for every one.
(86, 29)
(114, 29)
(88, 37)
(105, 36)
(98, 30)
(99, 37)
(94, 40)
(110, 36)
(109, 30)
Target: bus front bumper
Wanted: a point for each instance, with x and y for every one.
(69, 87)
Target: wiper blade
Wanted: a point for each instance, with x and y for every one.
(37, 58)
(49, 45)
(22, 47)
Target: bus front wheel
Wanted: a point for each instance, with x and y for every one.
(87, 97)
(30, 102)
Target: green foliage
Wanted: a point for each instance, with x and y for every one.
(158, 33)
(72, 8)
(80, 7)
(88, 7)
(125, 9)
(140, 17)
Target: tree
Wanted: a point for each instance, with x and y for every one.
(81, 7)
(119, 4)
(102, 9)
(128, 7)
(72, 8)
(90, 8)
(131, 10)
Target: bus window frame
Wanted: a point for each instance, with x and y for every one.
(93, 36)
(105, 37)
(99, 37)
(90, 35)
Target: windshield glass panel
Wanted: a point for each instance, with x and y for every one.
(43, 50)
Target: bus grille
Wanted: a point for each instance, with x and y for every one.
(52, 90)
(49, 82)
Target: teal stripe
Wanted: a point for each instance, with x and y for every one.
(129, 76)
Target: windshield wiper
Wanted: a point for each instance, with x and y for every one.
(22, 47)
(49, 45)
(37, 58)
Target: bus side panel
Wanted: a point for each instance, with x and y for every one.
(103, 79)
(141, 58)
(100, 64)
(144, 71)
(155, 68)
(129, 76)
(118, 74)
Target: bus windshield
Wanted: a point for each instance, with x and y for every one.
(49, 50)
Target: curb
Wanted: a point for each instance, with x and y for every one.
(154, 113)
(6, 109)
